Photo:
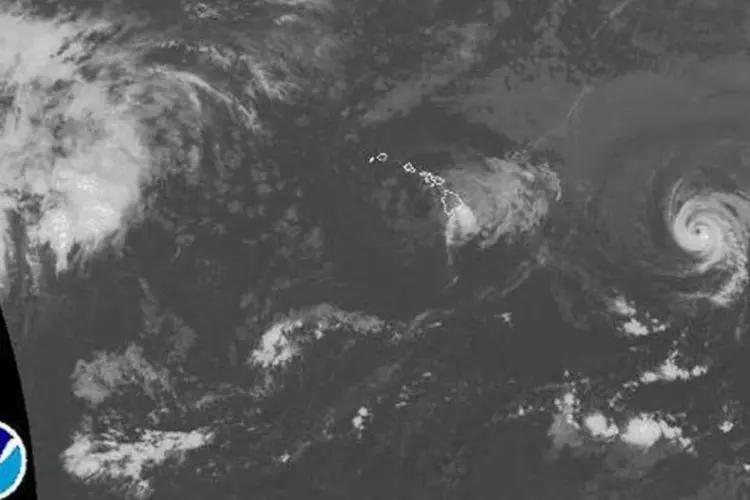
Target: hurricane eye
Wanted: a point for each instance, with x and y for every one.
(701, 231)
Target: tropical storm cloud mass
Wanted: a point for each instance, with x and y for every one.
(658, 169)
(95, 111)
(71, 144)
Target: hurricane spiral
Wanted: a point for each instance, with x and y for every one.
(659, 171)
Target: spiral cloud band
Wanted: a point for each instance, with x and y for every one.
(659, 170)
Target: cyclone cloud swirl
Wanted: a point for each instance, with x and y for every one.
(658, 168)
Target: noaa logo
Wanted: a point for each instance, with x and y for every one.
(12, 461)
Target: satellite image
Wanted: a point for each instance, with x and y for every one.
(379, 249)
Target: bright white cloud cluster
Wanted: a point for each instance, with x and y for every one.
(645, 430)
(277, 346)
(642, 431)
(598, 425)
(669, 371)
(629, 323)
(66, 139)
(284, 341)
(122, 464)
(84, 126)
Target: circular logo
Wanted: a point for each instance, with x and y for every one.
(12, 460)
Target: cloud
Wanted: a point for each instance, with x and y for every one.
(67, 141)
